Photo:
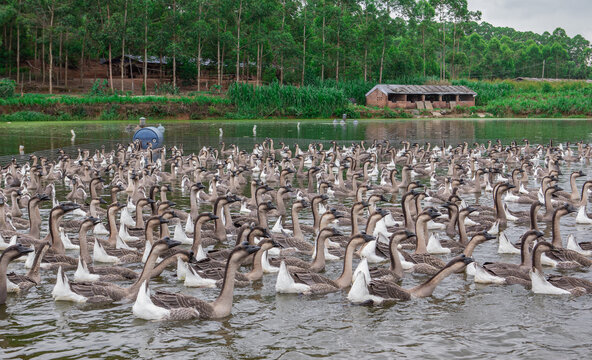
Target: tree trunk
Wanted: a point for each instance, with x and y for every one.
(122, 62)
(82, 56)
(66, 64)
(18, 51)
(218, 65)
(303, 47)
(199, 52)
(199, 64)
(110, 55)
(59, 72)
(238, 29)
(145, 46)
(174, 43)
(51, 50)
(282, 45)
(424, 50)
(337, 60)
(42, 57)
(323, 54)
(382, 58)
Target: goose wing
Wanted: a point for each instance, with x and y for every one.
(505, 270)
(429, 259)
(569, 255)
(170, 300)
(213, 273)
(103, 290)
(18, 279)
(388, 290)
(568, 282)
(311, 279)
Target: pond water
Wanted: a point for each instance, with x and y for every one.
(461, 320)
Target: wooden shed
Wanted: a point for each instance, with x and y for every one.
(420, 96)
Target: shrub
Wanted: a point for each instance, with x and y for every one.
(166, 89)
(100, 88)
(25, 116)
(7, 87)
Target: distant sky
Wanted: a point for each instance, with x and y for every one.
(538, 15)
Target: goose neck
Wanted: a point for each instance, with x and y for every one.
(346, 275)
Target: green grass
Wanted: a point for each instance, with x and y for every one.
(48, 100)
(284, 100)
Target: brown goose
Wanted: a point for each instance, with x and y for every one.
(170, 306)
(104, 292)
(313, 283)
(380, 291)
(554, 284)
(11, 253)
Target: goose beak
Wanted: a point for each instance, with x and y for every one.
(252, 249)
(276, 244)
(337, 233)
(171, 243)
(368, 238)
(488, 236)
(23, 249)
(69, 206)
(214, 217)
(467, 260)
(409, 234)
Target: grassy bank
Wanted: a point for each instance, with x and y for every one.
(39, 107)
(319, 100)
(531, 98)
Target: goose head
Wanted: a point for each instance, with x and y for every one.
(16, 251)
(67, 207)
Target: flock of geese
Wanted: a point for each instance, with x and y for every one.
(368, 203)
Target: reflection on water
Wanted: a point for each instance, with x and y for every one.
(195, 134)
(461, 319)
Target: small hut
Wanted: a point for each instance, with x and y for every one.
(134, 65)
(420, 96)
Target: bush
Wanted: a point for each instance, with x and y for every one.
(26, 116)
(100, 88)
(400, 114)
(276, 99)
(166, 89)
(7, 87)
(349, 111)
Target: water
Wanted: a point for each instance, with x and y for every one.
(461, 320)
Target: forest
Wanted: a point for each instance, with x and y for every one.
(292, 42)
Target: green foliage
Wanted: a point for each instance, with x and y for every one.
(350, 111)
(166, 89)
(396, 114)
(276, 99)
(25, 116)
(100, 88)
(47, 100)
(7, 87)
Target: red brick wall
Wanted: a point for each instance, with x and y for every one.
(376, 98)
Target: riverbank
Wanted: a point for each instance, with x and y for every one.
(498, 99)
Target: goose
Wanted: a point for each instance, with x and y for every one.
(554, 284)
(420, 255)
(318, 262)
(313, 283)
(381, 291)
(97, 273)
(105, 292)
(33, 263)
(170, 306)
(395, 270)
(507, 273)
(11, 253)
(196, 279)
(567, 258)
